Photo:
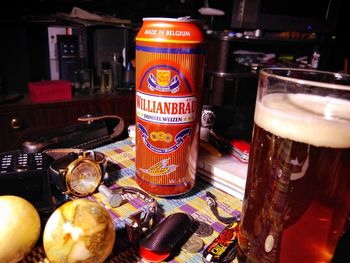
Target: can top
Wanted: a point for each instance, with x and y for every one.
(171, 30)
(185, 19)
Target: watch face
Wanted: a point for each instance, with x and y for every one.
(83, 178)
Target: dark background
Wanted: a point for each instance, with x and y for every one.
(21, 61)
(15, 11)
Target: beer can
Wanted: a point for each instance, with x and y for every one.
(169, 79)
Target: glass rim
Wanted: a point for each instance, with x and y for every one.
(272, 72)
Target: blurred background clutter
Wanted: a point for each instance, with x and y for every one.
(91, 44)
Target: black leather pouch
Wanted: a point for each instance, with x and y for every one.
(166, 237)
(91, 132)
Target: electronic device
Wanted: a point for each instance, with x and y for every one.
(68, 56)
(319, 16)
(62, 64)
(26, 175)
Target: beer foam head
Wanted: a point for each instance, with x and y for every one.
(312, 119)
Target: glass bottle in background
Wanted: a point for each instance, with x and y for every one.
(76, 83)
(117, 71)
(86, 78)
(106, 84)
(87, 81)
(83, 79)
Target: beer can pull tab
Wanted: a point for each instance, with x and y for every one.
(223, 247)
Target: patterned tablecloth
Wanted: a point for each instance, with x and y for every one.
(122, 154)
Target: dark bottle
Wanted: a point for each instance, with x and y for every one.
(117, 71)
(129, 80)
(83, 80)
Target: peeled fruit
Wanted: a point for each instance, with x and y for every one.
(79, 231)
(19, 228)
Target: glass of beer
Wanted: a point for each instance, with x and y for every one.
(297, 195)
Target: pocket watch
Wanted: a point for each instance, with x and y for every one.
(78, 173)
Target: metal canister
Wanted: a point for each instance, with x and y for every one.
(169, 79)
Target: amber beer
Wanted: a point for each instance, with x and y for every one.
(169, 76)
(297, 196)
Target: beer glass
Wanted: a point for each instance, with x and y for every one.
(297, 195)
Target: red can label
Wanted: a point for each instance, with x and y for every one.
(169, 76)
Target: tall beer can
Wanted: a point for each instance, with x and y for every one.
(169, 79)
